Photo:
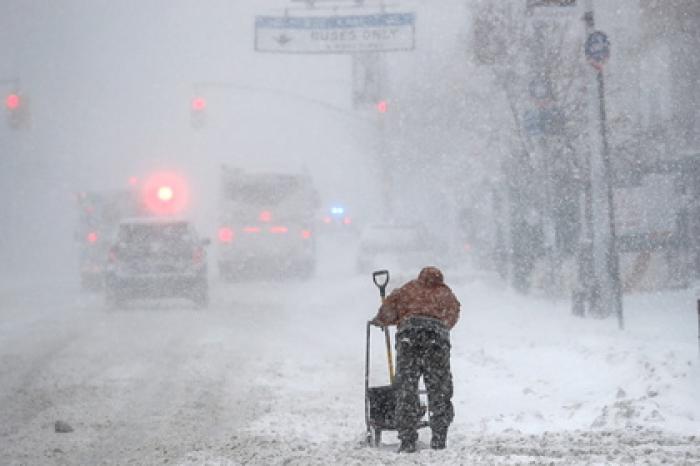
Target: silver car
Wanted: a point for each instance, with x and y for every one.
(154, 258)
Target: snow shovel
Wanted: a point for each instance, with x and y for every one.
(381, 280)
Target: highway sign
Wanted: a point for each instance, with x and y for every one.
(335, 34)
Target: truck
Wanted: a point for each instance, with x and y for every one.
(266, 224)
(99, 214)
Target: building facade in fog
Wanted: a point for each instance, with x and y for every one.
(670, 68)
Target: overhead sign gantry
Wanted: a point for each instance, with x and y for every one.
(333, 34)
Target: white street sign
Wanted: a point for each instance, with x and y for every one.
(335, 34)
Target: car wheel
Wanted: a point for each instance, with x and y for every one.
(113, 298)
(200, 295)
(226, 273)
(90, 282)
(307, 269)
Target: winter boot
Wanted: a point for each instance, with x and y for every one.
(407, 446)
(438, 440)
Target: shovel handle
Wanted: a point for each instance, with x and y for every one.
(381, 280)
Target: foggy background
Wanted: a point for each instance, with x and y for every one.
(109, 87)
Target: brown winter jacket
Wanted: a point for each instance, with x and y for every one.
(425, 296)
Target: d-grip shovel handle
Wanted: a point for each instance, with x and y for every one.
(381, 279)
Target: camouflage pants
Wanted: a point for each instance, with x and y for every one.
(423, 352)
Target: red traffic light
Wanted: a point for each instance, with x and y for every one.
(199, 104)
(12, 102)
(382, 106)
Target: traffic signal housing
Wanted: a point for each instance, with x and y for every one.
(17, 110)
(198, 107)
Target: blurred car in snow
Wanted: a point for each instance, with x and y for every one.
(155, 258)
(266, 224)
(403, 249)
(99, 213)
(337, 219)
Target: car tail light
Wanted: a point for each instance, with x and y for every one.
(92, 237)
(347, 221)
(306, 234)
(251, 229)
(327, 219)
(265, 216)
(278, 229)
(225, 234)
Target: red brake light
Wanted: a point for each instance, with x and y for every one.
(92, 237)
(279, 229)
(199, 104)
(265, 216)
(251, 229)
(327, 220)
(225, 234)
(306, 234)
(347, 221)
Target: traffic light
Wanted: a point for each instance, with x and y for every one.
(198, 107)
(17, 110)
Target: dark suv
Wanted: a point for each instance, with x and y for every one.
(153, 258)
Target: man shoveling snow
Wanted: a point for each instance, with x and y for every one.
(424, 311)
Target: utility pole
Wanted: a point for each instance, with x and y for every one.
(598, 51)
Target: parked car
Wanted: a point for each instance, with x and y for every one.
(156, 258)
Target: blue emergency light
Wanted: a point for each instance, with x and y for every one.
(337, 210)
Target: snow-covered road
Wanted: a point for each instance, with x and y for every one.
(273, 374)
